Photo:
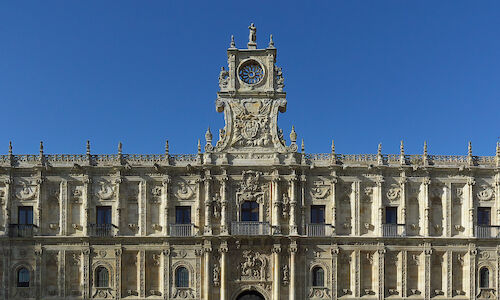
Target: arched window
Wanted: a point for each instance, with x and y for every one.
(181, 277)
(102, 277)
(250, 211)
(484, 278)
(318, 276)
(23, 277)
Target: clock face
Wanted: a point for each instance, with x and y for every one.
(251, 72)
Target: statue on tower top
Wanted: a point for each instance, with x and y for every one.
(252, 37)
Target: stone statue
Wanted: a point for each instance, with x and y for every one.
(252, 37)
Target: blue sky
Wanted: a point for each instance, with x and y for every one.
(140, 72)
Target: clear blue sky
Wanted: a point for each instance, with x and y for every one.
(140, 72)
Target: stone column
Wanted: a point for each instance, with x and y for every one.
(6, 265)
(356, 273)
(469, 200)
(293, 204)
(426, 181)
(427, 273)
(223, 271)
(449, 273)
(208, 213)
(207, 249)
(335, 255)
(61, 276)
(276, 271)
(404, 272)
(118, 218)
(402, 184)
(303, 181)
(142, 273)
(472, 272)
(87, 186)
(166, 272)
(165, 203)
(38, 209)
(292, 293)
(8, 202)
(448, 222)
(224, 227)
(356, 220)
(143, 186)
(380, 205)
(276, 202)
(197, 217)
(118, 273)
(38, 271)
(86, 273)
(380, 275)
(63, 204)
(333, 183)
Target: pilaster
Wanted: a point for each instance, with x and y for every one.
(427, 273)
(86, 272)
(223, 271)
(143, 186)
(303, 181)
(357, 208)
(472, 271)
(118, 217)
(207, 250)
(141, 264)
(448, 211)
(402, 184)
(118, 272)
(38, 271)
(8, 209)
(293, 205)
(426, 181)
(357, 273)
(469, 199)
(165, 203)
(404, 272)
(276, 271)
(166, 272)
(224, 226)
(380, 205)
(61, 270)
(207, 229)
(334, 250)
(63, 207)
(276, 204)
(380, 274)
(449, 274)
(87, 185)
(333, 186)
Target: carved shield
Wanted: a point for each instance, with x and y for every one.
(250, 129)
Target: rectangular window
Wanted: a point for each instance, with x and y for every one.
(317, 214)
(391, 215)
(250, 211)
(103, 215)
(483, 216)
(25, 215)
(183, 215)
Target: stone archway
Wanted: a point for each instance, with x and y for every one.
(250, 295)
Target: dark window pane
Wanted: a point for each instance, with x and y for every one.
(318, 214)
(484, 278)
(181, 277)
(391, 215)
(103, 215)
(318, 277)
(183, 215)
(23, 277)
(102, 277)
(483, 216)
(250, 211)
(25, 215)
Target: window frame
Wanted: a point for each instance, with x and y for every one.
(25, 215)
(250, 213)
(99, 281)
(394, 210)
(24, 283)
(183, 214)
(481, 213)
(103, 215)
(318, 276)
(318, 209)
(182, 280)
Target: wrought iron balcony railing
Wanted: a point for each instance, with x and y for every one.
(22, 230)
(487, 231)
(181, 230)
(101, 230)
(394, 230)
(319, 230)
(250, 228)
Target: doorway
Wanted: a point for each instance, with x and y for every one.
(250, 295)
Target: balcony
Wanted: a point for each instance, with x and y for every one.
(250, 228)
(101, 230)
(318, 230)
(487, 231)
(181, 230)
(21, 230)
(393, 230)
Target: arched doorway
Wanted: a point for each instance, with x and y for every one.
(250, 295)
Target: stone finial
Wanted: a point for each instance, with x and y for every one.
(424, 156)
(302, 146)
(88, 147)
(166, 148)
(380, 158)
(333, 147)
(271, 42)
(252, 37)
(379, 149)
(41, 148)
(120, 148)
(469, 149)
(293, 135)
(10, 147)
(498, 154)
(208, 136)
(233, 44)
(402, 153)
(199, 146)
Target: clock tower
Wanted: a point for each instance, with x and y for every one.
(251, 95)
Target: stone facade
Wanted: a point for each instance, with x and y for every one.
(249, 215)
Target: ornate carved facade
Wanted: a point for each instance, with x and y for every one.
(250, 216)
